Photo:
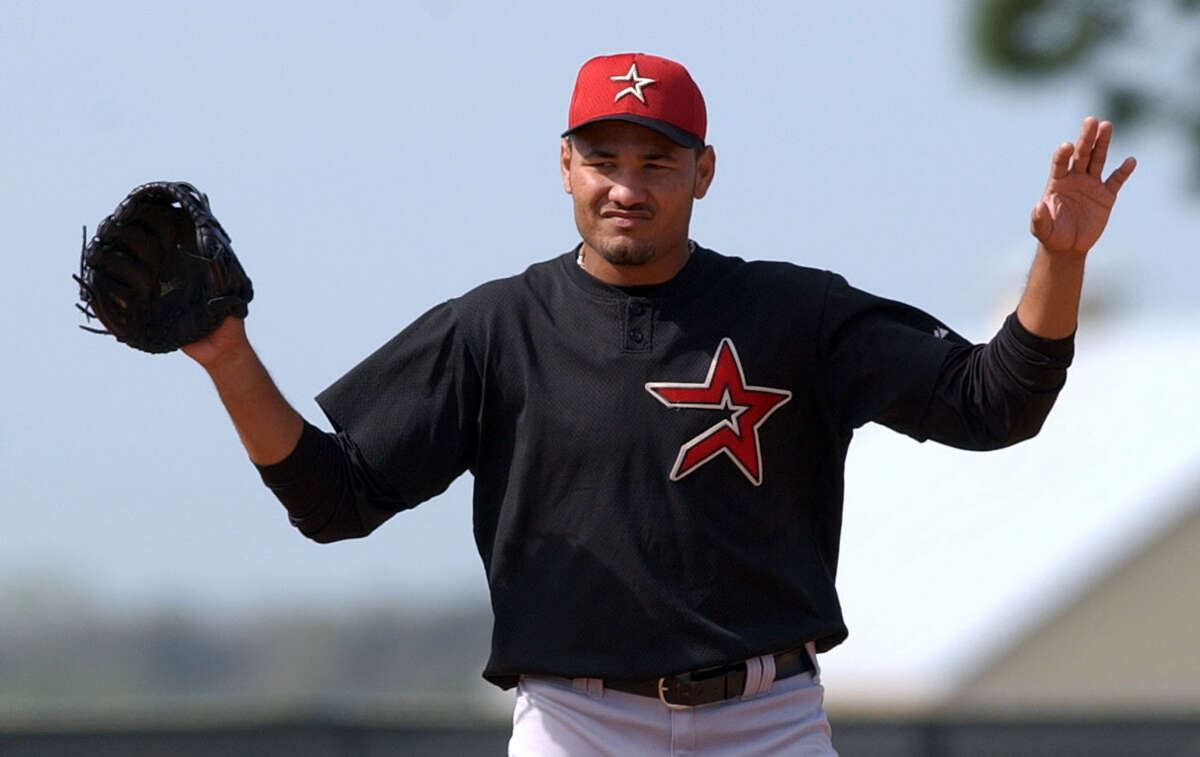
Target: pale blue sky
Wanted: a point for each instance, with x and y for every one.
(372, 159)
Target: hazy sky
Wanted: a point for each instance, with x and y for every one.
(373, 159)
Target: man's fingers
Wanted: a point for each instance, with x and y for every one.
(1083, 147)
(1060, 160)
(1100, 151)
(1120, 175)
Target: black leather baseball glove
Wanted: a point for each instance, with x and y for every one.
(160, 272)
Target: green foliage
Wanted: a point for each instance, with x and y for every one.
(1142, 59)
(80, 663)
(1032, 38)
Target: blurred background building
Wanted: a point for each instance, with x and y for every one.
(1125, 643)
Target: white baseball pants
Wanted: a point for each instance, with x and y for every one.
(557, 717)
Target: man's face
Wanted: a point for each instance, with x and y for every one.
(633, 190)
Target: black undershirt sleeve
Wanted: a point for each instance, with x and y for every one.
(405, 427)
(996, 394)
(896, 365)
(328, 490)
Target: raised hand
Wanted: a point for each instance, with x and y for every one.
(1075, 206)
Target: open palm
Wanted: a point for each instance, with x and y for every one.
(1076, 204)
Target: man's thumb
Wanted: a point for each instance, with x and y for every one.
(1039, 220)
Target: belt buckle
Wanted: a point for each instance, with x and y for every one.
(662, 697)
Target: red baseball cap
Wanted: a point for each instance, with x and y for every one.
(644, 89)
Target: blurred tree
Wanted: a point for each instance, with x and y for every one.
(1141, 56)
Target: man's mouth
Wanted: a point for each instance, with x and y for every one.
(626, 219)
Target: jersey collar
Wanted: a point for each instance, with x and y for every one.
(679, 285)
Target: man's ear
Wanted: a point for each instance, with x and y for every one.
(564, 163)
(706, 166)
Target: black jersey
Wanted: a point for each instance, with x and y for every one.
(658, 470)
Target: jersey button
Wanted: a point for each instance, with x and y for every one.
(636, 308)
(635, 336)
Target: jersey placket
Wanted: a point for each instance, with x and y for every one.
(637, 325)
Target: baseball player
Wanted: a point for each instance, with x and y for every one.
(657, 434)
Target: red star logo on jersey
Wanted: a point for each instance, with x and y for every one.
(736, 436)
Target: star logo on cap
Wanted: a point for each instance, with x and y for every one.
(636, 83)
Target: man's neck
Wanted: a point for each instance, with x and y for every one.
(661, 269)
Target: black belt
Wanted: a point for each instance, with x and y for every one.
(711, 684)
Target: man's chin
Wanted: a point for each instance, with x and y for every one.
(625, 253)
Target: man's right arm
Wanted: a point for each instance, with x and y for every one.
(319, 478)
(269, 427)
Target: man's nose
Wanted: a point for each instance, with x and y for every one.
(627, 190)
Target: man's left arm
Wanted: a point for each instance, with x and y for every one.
(890, 363)
(1067, 221)
(1000, 393)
